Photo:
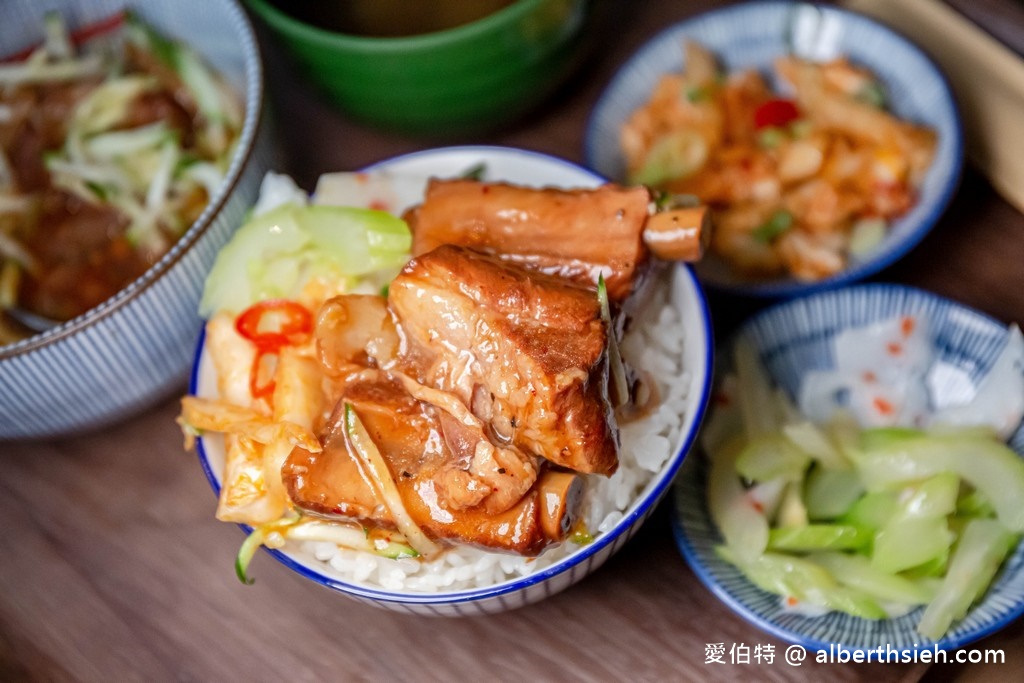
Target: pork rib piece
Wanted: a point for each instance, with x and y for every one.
(572, 233)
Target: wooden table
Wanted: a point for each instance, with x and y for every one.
(112, 566)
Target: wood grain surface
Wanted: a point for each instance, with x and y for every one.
(112, 567)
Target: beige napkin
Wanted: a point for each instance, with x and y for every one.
(987, 78)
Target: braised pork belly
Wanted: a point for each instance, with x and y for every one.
(524, 350)
(417, 446)
(483, 376)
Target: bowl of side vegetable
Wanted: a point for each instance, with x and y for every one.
(862, 480)
(827, 144)
(132, 145)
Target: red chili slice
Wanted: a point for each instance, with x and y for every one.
(266, 389)
(775, 113)
(295, 323)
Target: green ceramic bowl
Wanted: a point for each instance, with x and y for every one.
(469, 78)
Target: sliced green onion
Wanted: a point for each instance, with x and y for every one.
(779, 223)
(697, 93)
(475, 172)
(143, 36)
(665, 201)
(872, 93)
(581, 535)
(99, 189)
(256, 538)
(770, 137)
(616, 367)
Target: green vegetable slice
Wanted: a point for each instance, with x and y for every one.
(872, 511)
(817, 537)
(934, 497)
(738, 517)
(753, 392)
(772, 456)
(673, 156)
(857, 572)
(792, 511)
(829, 494)
(273, 255)
(982, 548)
(802, 580)
(906, 541)
(809, 438)
(890, 460)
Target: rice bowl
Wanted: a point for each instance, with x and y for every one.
(468, 580)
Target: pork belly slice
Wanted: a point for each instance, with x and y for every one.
(524, 350)
(409, 436)
(573, 233)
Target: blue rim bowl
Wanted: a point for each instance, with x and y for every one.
(791, 338)
(538, 169)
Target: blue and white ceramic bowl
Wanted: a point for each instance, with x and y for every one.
(752, 35)
(134, 349)
(793, 338)
(687, 299)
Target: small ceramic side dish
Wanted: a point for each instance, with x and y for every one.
(794, 339)
(751, 36)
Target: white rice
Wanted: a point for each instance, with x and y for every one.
(653, 344)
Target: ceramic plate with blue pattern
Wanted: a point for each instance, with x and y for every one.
(796, 337)
(752, 35)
